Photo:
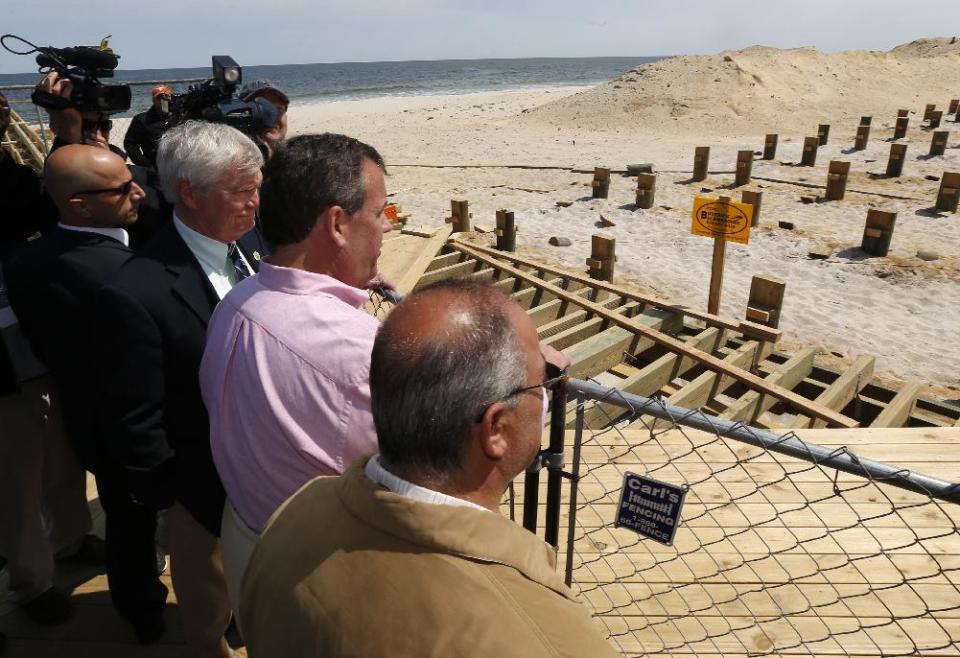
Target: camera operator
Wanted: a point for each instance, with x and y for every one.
(146, 128)
(269, 139)
(24, 209)
(93, 129)
(69, 125)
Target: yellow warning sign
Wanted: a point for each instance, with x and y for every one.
(722, 219)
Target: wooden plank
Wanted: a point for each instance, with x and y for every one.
(452, 271)
(556, 308)
(841, 391)
(579, 321)
(753, 403)
(445, 260)
(649, 379)
(748, 329)
(405, 272)
(561, 340)
(708, 360)
(899, 408)
(598, 353)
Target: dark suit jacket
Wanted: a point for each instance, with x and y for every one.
(154, 316)
(52, 284)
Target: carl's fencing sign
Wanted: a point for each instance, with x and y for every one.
(650, 508)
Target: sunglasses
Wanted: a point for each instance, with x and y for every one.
(103, 125)
(121, 189)
(554, 378)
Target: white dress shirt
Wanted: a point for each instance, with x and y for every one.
(401, 487)
(211, 255)
(118, 234)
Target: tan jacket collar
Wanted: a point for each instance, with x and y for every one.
(461, 531)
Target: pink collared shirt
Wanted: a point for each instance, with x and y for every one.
(285, 378)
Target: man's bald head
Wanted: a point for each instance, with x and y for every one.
(76, 168)
(441, 358)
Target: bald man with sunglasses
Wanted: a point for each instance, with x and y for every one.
(51, 283)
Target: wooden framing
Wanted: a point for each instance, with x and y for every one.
(813, 408)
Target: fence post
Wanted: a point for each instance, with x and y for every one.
(646, 190)
(898, 153)
(770, 147)
(574, 491)
(601, 182)
(823, 134)
(701, 161)
(506, 231)
(809, 158)
(554, 464)
(938, 145)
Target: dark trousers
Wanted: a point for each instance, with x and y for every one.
(135, 587)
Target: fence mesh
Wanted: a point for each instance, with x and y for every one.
(379, 305)
(773, 554)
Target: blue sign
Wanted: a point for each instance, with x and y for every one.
(650, 508)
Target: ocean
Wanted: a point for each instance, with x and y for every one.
(317, 83)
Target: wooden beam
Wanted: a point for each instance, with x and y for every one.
(838, 394)
(597, 353)
(753, 403)
(813, 408)
(649, 379)
(569, 320)
(748, 329)
(897, 411)
(450, 272)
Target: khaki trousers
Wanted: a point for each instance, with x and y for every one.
(43, 499)
(238, 542)
(196, 569)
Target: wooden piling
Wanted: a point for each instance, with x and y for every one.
(863, 136)
(770, 147)
(603, 255)
(701, 161)
(459, 215)
(646, 190)
(823, 134)
(755, 199)
(601, 182)
(935, 119)
(744, 168)
(837, 180)
(901, 130)
(506, 231)
(766, 300)
(898, 154)
(954, 106)
(929, 109)
(866, 121)
(949, 193)
(878, 232)
(938, 145)
(903, 114)
(809, 158)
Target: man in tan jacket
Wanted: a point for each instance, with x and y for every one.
(406, 554)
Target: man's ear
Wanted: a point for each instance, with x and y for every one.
(335, 220)
(78, 206)
(187, 193)
(492, 431)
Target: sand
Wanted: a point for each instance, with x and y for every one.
(901, 309)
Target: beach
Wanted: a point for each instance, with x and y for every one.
(900, 308)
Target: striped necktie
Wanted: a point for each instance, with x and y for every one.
(240, 268)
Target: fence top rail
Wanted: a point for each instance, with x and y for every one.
(788, 444)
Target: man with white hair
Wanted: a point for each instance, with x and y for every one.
(154, 319)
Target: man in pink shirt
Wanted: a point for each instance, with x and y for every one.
(285, 374)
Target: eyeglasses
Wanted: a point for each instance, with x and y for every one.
(120, 189)
(554, 377)
(93, 125)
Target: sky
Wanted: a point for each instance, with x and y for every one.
(185, 33)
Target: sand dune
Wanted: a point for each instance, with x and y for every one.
(765, 89)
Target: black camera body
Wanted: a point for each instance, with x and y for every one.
(214, 100)
(84, 66)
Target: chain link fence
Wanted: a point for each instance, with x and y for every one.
(782, 547)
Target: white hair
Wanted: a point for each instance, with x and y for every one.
(203, 153)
